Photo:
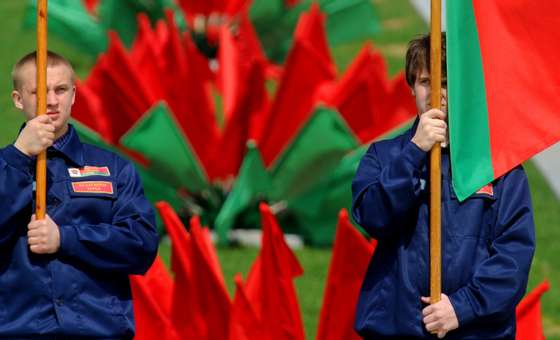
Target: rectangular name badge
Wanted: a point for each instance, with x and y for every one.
(93, 187)
(89, 171)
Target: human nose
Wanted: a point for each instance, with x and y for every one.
(52, 99)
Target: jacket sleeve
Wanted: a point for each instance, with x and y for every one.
(127, 245)
(383, 193)
(499, 283)
(16, 189)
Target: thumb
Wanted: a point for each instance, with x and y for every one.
(425, 299)
(33, 217)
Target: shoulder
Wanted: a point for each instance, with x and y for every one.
(389, 148)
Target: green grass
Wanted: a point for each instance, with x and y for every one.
(400, 24)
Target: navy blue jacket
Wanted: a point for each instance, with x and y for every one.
(488, 244)
(107, 231)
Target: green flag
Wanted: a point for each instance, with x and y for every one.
(70, 20)
(158, 138)
(316, 210)
(253, 183)
(121, 15)
(316, 150)
(347, 21)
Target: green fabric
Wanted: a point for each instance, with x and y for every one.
(120, 15)
(346, 21)
(70, 20)
(468, 111)
(316, 150)
(157, 137)
(316, 211)
(253, 183)
(349, 20)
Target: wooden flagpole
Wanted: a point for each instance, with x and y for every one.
(435, 156)
(41, 171)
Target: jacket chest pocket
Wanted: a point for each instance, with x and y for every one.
(91, 201)
(472, 218)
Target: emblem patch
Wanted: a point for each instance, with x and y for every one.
(93, 187)
(487, 189)
(89, 171)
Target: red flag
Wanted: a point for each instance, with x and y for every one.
(245, 99)
(119, 87)
(307, 66)
(152, 302)
(188, 94)
(146, 55)
(344, 281)
(211, 297)
(244, 324)
(528, 314)
(87, 109)
(270, 286)
(184, 314)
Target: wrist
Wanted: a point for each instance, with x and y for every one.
(22, 149)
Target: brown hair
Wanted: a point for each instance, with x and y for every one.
(418, 57)
(53, 59)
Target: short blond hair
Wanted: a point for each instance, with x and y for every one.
(53, 59)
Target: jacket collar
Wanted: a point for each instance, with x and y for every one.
(73, 147)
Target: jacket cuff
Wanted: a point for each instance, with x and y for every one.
(462, 307)
(17, 159)
(414, 155)
(68, 238)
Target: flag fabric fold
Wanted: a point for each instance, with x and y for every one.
(344, 281)
(503, 86)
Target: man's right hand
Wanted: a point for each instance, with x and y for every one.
(432, 129)
(36, 136)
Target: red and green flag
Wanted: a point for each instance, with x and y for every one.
(503, 84)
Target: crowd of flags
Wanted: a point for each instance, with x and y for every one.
(214, 136)
(193, 303)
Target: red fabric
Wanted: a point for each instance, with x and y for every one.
(200, 300)
(244, 324)
(146, 56)
(212, 300)
(245, 98)
(188, 323)
(520, 61)
(371, 104)
(307, 66)
(91, 5)
(152, 303)
(344, 281)
(270, 286)
(528, 314)
(188, 93)
(119, 88)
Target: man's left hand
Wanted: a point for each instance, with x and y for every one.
(43, 235)
(440, 317)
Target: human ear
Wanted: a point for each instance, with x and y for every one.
(17, 100)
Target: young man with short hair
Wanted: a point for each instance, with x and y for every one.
(66, 276)
(488, 240)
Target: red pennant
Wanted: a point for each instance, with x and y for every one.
(184, 314)
(152, 303)
(344, 281)
(244, 324)
(270, 286)
(528, 314)
(307, 66)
